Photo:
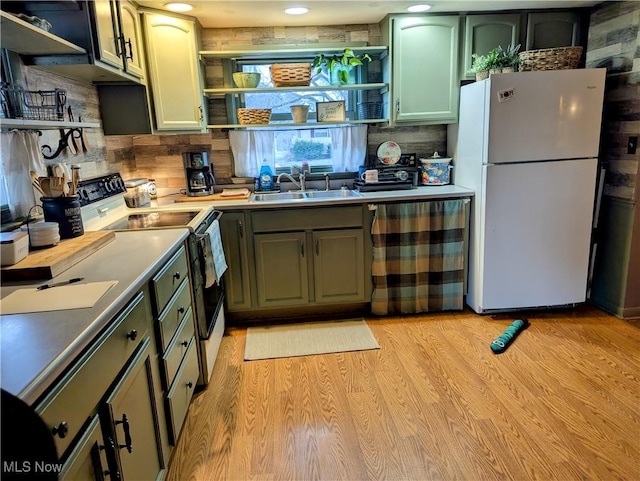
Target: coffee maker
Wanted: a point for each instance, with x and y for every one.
(198, 173)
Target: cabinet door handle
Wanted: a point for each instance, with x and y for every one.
(127, 434)
(177, 276)
(185, 343)
(132, 334)
(317, 247)
(181, 310)
(398, 105)
(240, 229)
(61, 430)
(302, 249)
(130, 55)
(200, 113)
(189, 384)
(120, 47)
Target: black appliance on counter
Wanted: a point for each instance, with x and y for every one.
(198, 173)
(403, 174)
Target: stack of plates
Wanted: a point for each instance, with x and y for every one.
(43, 234)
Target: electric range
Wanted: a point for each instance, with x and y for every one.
(103, 207)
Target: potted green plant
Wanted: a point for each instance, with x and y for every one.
(510, 58)
(339, 67)
(479, 66)
(494, 61)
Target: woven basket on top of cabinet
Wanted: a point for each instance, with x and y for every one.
(562, 58)
(291, 74)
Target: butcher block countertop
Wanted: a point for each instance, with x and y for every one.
(35, 348)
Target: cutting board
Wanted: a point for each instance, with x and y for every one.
(48, 263)
(243, 194)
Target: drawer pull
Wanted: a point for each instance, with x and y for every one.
(132, 334)
(181, 310)
(177, 276)
(61, 430)
(127, 434)
(189, 384)
(184, 343)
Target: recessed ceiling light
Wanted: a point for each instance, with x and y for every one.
(296, 10)
(179, 7)
(418, 8)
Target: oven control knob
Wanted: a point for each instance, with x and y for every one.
(83, 194)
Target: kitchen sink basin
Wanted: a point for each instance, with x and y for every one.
(307, 195)
(332, 194)
(278, 196)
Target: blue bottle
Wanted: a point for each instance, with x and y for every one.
(266, 176)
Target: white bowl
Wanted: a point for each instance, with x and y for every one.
(246, 80)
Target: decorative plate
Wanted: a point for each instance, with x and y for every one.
(389, 152)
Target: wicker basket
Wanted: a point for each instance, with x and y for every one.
(369, 110)
(253, 116)
(291, 74)
(562, 58)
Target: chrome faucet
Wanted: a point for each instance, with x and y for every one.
(302, 185)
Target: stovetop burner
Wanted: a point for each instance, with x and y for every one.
(153, 220)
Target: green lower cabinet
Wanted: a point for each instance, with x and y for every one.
(339, 265)
(311, 267)
(281, 269)
(234, 233)
(87, 461)
(131, 416)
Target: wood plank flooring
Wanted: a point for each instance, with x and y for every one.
(562, 403)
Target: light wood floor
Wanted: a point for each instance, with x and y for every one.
(563, 403)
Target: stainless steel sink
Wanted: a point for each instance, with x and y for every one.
(278, 196)
(307, 195)
(332, 194)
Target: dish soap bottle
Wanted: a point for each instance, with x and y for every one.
(266, 176)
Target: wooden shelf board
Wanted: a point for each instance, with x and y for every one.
(291, 125)
(283, 53)
(25, 39)
(45, 124)
(311, 88)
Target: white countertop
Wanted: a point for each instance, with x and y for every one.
(35, 348)
(424, 192)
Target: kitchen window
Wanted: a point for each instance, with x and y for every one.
(324, 149)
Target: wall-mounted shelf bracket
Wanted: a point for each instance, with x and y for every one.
(67, 139)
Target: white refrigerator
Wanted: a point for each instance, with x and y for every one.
(527, 143)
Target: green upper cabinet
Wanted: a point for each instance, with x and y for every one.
(424, 79)
(174, 71)
(553, 29)
(485, 32)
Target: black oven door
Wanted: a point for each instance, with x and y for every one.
(208, 300)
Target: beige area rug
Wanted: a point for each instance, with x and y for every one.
(308, 338)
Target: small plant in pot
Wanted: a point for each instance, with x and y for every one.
(339, 67)
(510, 58)
(479, 66)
